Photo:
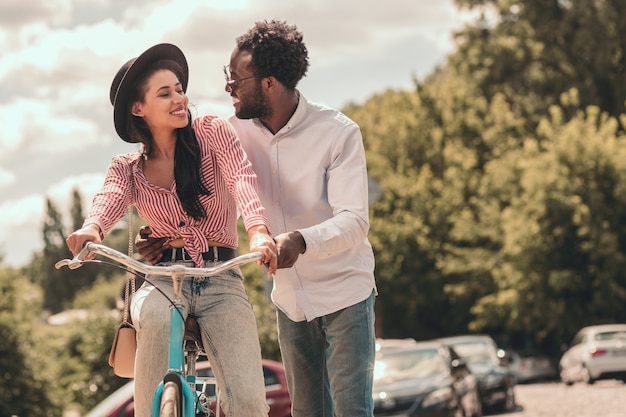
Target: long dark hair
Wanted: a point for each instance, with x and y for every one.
(189, 186)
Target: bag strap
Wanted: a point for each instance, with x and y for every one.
(129, 290)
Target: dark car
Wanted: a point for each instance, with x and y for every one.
(496, 382)
(120, 403)
(426, 379)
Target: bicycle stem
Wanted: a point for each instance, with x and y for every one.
(178, 276)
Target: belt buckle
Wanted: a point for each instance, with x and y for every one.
(184, 256)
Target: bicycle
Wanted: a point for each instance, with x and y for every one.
(176, 394)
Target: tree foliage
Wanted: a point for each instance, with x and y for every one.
(501, 177)
(562, 258)
(23, 389)
(533, 50)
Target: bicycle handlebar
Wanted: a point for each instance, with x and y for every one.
(172, 270)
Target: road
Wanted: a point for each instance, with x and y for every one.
(554, 399)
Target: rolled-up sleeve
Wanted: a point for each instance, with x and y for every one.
(109, 205)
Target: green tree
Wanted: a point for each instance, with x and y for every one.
(534, 50)
(76, 210)
(564, 249)
(452, 158)
(59, 286)
(425, 175)
(23, 389)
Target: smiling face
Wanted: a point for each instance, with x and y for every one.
(164, 104)
(246, 88)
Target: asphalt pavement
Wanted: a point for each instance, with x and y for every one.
(555, 399)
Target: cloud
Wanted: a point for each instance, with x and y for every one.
(19, 222)
(6, 177)
(18, 13)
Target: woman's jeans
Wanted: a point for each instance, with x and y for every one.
(229, 335)
(329, 362)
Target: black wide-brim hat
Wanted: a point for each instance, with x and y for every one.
(127, 74)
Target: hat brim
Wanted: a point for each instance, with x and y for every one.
(119, 97)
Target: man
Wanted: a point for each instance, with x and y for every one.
(312, 178)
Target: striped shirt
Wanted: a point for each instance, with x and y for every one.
(226, 173)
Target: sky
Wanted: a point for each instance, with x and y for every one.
(58, 58)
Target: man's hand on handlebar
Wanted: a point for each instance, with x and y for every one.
(290, 245)
(151, 248)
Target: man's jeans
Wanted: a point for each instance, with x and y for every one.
(329, 362)
(229, 335)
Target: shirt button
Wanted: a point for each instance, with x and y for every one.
(276, 203)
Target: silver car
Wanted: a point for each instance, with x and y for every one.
(596, 352)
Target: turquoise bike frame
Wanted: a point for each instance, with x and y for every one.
(176, 360)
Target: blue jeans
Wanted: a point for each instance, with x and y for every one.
(229, 334)
(329, 362)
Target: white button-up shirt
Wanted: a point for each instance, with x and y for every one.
(312, 177)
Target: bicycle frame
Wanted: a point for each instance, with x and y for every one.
(176, 365)
(185, 379)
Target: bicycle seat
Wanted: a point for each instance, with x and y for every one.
(192, 332)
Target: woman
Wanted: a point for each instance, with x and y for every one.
(188, 182)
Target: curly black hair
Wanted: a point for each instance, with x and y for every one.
(277, 49)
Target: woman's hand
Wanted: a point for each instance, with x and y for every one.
(76, 241)
(261, 241)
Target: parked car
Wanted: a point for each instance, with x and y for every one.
(394, 343)
(423, 379)
(496, 382)
(120, 403)
(596, 352)
(531, 367)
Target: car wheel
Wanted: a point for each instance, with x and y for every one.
(587, 377)
(509, 401)
(478, 407)
(458, 410)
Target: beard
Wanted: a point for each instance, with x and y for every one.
(254, 106)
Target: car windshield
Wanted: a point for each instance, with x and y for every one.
(411, 364)
(617, 335)
(475, 352)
